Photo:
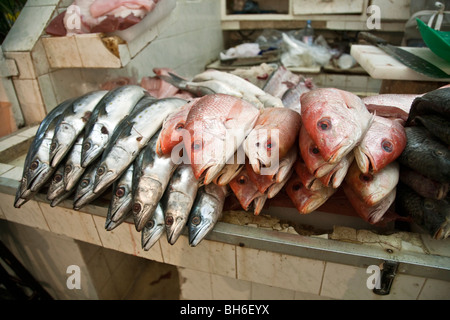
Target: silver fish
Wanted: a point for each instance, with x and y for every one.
(131, 136)
(84, 193)
(120, 205)
(205, 212)
(151, 177)
(37, 169)
(153, 229)
(107, 115)
(177, 201)
(72, 167)
(57, 189)
(72, 123)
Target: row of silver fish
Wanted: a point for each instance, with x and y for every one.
(107, 140)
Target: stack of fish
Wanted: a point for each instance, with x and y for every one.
(342, 143)
(425, 164)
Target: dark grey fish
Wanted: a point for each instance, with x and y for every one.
(434, 102)
(121, 201)
(72, 167)
(151, 177)
(107, 115)
(205, 212)
(84, 193)
(291, 98)
(437, 125)
(153, 229)
(57, 188)
(432, 215)
(177, 201)
(424, 186)
(72, 123)
(37, 169)
(424, 154)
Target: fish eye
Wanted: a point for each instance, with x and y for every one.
(257, 144)
(365, 177)
(34, 165)
(439, 153)
(269, 144)
(324, 124)
(52, 146)
(387, 146)
(68, 168)
(120, 192)
(315, 150)
(242, 180)
(197, 145)
(179, 126)
(169, 220)
(196, 220)
(57, 178)
(101, 170)
(150, 224)
(84, 183)
(86, 146)
(297, 186)
(137, 207)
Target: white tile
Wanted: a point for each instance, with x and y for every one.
(208, 256)
(23, 34)
(195, 285)
(28, 132)
(29, 214)
(435, 290)
(126, 239)
(5, 168)
(10, 141)
(30, 99)
(71, 223)
(264, 292)
(24, 64)
(284, 271)
(47, 91)
(39, 57)
(226, 288)
(39, 3)
(94, 54)
(13, 174)
(349, 282)
(62, 52)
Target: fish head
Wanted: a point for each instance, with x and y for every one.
(111, 166)
(383, 143)
(57, 185)
(153, 229)
(306, 201)
(37, 173)
(84, 193)
(200, 223)
(94, 143)
(65, 134)
(335, 120)
(120, 202)
(175, 214)
(145, 200)
(228, 173)
(312, 157)
(262, 148)
(246, 191)
(373, 187)
(72, 173)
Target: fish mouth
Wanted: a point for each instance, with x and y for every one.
(57, 155)
(90, 155)
(209, 172)
(340, 151)
(174, 231)
(149, 241)
(258, 204)
(122, 210)
(104, 181)
(73, 177)
(199, 234)
(40, 177)
(363, 160)
(83, 200)
(223, 178)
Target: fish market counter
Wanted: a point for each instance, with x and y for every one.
(320, 255)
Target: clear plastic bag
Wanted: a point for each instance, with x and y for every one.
(296, 53)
